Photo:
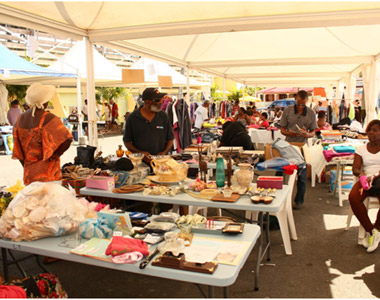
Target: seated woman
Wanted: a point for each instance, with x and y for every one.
(242, 117)
(264, 122)
(367, 163)
(321, 123)
(235, 134)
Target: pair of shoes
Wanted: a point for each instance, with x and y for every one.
(373, 240)
(297, 206)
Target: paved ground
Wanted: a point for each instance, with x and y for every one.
(326, 260)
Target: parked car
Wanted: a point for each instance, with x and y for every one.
(281, 103)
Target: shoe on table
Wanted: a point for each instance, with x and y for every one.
(373, 240)
(297, 206)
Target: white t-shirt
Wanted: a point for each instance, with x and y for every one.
(200, 116)
(371, 162)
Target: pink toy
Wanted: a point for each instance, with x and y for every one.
(364, 182)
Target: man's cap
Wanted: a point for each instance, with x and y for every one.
(151, 94)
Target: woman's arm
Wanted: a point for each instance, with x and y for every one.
(248, 119)
(357, 166)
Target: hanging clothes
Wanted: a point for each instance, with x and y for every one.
(184, 123)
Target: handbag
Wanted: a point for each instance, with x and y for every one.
(85, 156)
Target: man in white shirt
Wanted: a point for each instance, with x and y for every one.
(201, 114)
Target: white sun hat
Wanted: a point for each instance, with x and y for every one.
(38, 94)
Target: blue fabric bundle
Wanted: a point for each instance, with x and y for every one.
(344, 149)
(98, 228)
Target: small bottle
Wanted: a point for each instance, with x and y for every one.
(120, 151)
(220, 172)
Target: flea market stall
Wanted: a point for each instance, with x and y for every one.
(220, 39)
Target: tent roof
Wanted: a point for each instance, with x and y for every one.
(75, 61)
(257, 43)
(283, 90)
(153, 69)
(14, 68)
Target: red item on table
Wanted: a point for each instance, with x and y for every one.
(120, 245)
(12, 291)
(289, 169)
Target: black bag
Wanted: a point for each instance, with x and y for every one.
(375, 188)
(85, 156)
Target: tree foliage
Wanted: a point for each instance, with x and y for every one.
(16, 92)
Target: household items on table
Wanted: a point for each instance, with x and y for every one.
(169, 170)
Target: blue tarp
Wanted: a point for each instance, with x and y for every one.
(12, 64)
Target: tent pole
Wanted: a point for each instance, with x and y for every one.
(79, 105)
(224, 88)
(187, 85)
(244, 93)
(92, 119)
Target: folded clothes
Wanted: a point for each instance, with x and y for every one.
(290, 169)
(330, 154)
(120, 245)
(344, 149)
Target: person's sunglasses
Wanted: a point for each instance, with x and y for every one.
(300, 104)
(157, 100)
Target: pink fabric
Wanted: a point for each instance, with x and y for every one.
(330, 154)
(12, 291)
(120, 245)
(127, 258)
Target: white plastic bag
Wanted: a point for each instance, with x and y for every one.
(41, 210)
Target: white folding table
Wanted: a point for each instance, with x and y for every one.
(244, 203)
(224, 276)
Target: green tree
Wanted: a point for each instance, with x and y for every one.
(108, 93)
(16, 92)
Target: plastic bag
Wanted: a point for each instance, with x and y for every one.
(159, 226)
(99, 228)
(41, 210)
(275, 162)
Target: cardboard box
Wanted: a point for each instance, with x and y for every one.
(270, 182)
(100, 182)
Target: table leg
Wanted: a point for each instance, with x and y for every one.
(225, 292)
(211, 291)
(17, 264)
(268, 235)
(261, 221)
(337, 176)
(5, 264)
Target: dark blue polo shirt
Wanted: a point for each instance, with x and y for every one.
(148, 136)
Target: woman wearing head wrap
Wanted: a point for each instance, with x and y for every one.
(40, 137)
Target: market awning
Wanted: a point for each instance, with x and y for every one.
(16, 69)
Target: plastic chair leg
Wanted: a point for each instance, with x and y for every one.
(349, 219)
(312, 177)
(283, 221)
(292, 225)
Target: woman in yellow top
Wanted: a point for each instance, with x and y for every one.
(40, 138)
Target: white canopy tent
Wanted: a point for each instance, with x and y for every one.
(256, 43)
(153, 68)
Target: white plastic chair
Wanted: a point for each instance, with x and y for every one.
(370, 203)
(317, 161)
(284, 216)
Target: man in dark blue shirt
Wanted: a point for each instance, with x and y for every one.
(148, 129)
